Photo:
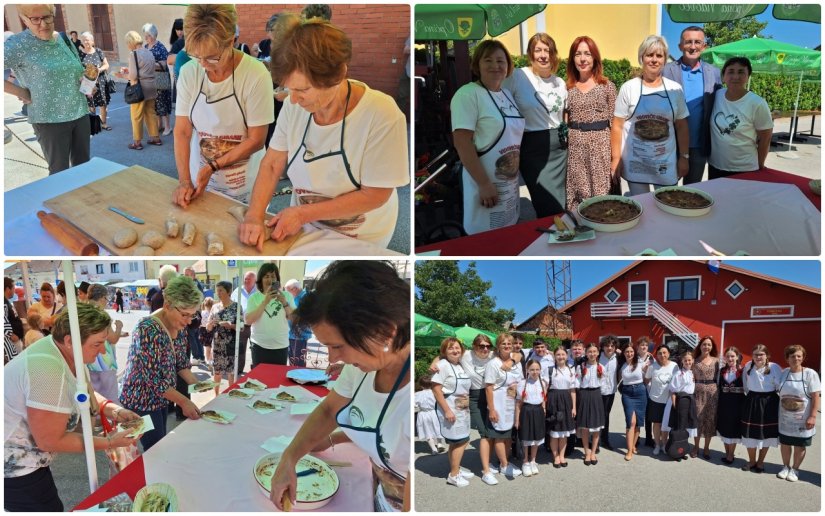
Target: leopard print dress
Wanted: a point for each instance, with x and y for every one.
(588, 161)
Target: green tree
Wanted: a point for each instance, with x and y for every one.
(719, 33)
(457, 298)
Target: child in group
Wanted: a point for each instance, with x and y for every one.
(590, 415)
(561, 407)
(531, 395)
(573, 361)
(681, 412)
(426, 421)
(34, 334)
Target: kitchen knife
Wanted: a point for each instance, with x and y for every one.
(134, 219)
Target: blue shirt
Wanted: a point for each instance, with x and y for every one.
(307, 333)
(693, 83)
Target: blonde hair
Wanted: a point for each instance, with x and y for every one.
(132, 38)
(651, 42)
(209, 25)
(24, 9)
(316, 48)
(34, 321)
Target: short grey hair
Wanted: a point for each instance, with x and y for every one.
(292, 283)
(166, 273)
(149, 28)
(89, 35)
(96, 292)
(650, 42)
(181, 292)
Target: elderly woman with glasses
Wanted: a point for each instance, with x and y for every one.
(163, 104)
(89, 54)
(157, 355)
(49, 65)
(338, 141)
(224, 107)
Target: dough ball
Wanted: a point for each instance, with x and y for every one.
(238, 212)
(144, 250)
(153, 239)
(125, 237)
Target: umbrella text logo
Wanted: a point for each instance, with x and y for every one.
(465, 26)
(780, 57)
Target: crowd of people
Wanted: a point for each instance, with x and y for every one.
(226, 136)
(573, 140)
(518, 401)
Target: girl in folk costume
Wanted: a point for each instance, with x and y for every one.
(731, 399)
(451, 388)
(798, 404)
(426, 422)
(531, 395)
(501, 377)
(589, 407)
(760, 413)
(680, 413)
(561, 407)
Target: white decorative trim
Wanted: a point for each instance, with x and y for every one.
(735, 282)
(618, 296)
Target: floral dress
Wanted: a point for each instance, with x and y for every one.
(101, 96)
(223, 344)
(163, 103)
(706, 396)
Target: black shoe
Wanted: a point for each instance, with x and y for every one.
(557, 466)
(594, 462)
(598, 450)
(564, 464)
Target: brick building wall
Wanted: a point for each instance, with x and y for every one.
(378, 33)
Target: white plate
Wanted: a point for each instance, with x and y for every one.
(303, 376)
(313, 491)
(610, 227)
(683, 212)
(156, 489)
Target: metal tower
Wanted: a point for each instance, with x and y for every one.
(558, 280)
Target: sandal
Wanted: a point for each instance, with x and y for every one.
(155, 142)
(136, 146)
(106, 127)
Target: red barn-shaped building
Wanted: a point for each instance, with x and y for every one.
(685, 300)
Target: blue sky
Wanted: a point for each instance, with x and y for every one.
(520, 284)
(804, 34)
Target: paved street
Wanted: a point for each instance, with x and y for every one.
(645, 484)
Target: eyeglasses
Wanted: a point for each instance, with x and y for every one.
(210, 60)
(697, 42)
(37, 20)
(184, 314)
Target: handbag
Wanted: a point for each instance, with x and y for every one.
(95, 123)
(133, 94)
(163, 80)
(121, 457)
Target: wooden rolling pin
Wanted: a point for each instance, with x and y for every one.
(69, 236)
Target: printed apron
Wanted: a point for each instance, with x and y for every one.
(459, 403)
(218, 130)
(793, 407)
(649, 141)
(388, 484)
(322, 177)
(501, 163)
(504, 400)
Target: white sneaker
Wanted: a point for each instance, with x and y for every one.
(511, 471)
(792, 476)
(494, 470)
(534, 467)
(784, 473)
(656, 450)
(466, 473)
(489, 478)
(457, 481)
(526, 470)
(167, 131)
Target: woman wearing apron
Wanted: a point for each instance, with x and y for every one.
(798, 405)
(451, 387)
(487, 132)
(650, 125)
(224, 107)
(360, 310)
(340, 142)
(501, 377)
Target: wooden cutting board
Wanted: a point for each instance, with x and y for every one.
(147, 194)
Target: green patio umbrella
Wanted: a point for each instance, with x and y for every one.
(798, 12)
(703, 13)
(469, 21)
(429, 332)
(468, 333)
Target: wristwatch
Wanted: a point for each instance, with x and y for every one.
(685, 155)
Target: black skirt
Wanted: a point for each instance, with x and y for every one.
(656, 411)
(683, 414)
(760, 416)
(560, 410)
(589, 408)
(531, 423)
(729, 410)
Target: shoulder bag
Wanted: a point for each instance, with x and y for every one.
(163, 80)
(133, 94)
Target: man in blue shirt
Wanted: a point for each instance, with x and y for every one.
(297, 339)
(700, 81)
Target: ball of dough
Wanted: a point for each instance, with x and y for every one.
(153, 239)
(125, 237)
(144, 250)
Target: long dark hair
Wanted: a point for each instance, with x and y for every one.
(176, 26)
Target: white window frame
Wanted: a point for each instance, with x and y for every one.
(99, 269)
(612, 289)
(698, 288)
(735, 282)
(630, 284)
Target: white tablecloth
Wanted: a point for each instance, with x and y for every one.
(211, 465)
(24, 236)
(762, 219)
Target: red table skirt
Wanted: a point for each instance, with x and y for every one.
(132, 478)
(510, 241)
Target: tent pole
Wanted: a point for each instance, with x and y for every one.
(238, 319)
(83, 393)
(790, 154)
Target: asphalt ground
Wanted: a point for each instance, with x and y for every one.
(645, 484)
(22, 165)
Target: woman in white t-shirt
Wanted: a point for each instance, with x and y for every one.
(649, 136)
(799, 391)
(634, 397)
(359, 310)
(501, 377)
(541, 97)
(740, 124)
(657, 377)
(342, 144)
(224, 107)
(268, 312)
(40, 411)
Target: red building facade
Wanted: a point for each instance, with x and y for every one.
(685, 300)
